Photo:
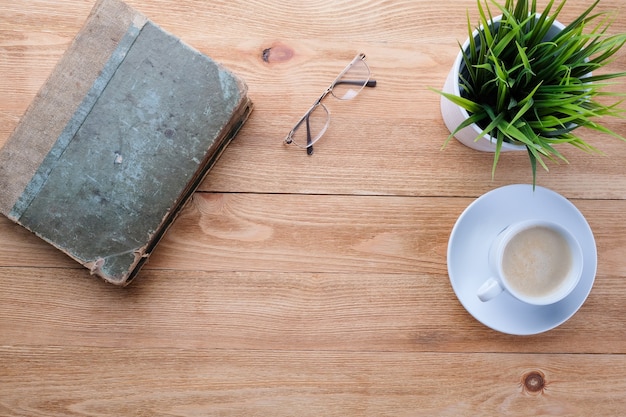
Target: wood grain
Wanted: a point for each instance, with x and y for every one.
(308, 286)
(316, 233)
(288, 383)
(277, 311)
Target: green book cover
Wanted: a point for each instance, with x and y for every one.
(118, 138)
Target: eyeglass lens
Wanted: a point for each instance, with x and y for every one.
(312, 126)
(351, 81)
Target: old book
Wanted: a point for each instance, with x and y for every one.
(117, 140)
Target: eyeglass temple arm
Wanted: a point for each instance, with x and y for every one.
(309, 141)
(369, 83)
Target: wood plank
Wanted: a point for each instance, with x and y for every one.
(118, 382)
(280, 311)
(316, 233)
(401, 116)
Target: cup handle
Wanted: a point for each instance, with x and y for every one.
(489, 289)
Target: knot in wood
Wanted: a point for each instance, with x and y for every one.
(278, 52)
(534, 382)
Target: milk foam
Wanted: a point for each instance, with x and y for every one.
(537, 261)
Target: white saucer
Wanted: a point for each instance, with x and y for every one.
(469, 245)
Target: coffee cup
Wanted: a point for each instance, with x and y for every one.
(536, 261)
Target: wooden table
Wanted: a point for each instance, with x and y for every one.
(297, 285)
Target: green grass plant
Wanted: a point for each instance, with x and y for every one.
(522, 87)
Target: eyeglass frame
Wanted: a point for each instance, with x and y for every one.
(368, 83)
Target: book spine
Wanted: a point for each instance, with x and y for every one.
(68, 133)
(65, 99)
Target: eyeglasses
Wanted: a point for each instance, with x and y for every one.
(348, 84)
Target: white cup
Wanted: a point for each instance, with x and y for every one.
(536, 261)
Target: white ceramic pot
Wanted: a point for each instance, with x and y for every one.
(453, 114)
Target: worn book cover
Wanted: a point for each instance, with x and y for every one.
(118, 138)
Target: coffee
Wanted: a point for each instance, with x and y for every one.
(537, 262)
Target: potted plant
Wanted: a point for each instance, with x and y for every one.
(524, 81)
